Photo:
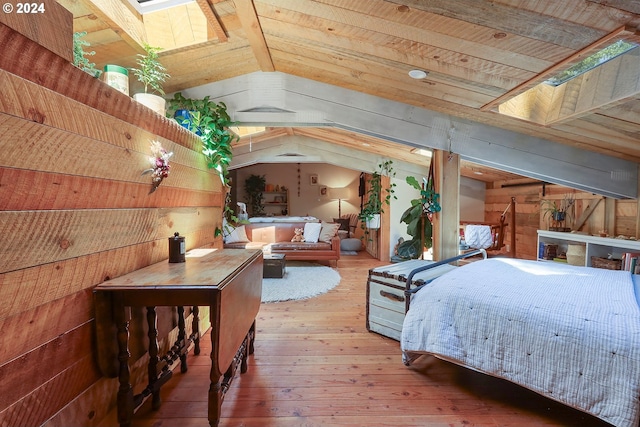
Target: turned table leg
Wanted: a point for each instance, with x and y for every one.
(215, 395)
(125, 391)
(152, 369)
(195, 326)
(181, 339)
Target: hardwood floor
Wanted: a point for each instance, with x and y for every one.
(315, 364)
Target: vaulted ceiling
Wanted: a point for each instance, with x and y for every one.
(482, 57)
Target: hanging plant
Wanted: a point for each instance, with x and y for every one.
(377, 196)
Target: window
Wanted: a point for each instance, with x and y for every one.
(591, 62)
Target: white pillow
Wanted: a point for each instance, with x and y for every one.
(312, 231)
(238, 235)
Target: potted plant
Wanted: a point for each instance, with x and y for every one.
(377, 196)
(180, 109)
(418, 220)
(253, 188)
(80, 59)
(557, 211)
(210, 121)
(152, 74)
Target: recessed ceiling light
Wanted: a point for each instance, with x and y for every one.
(417, 74)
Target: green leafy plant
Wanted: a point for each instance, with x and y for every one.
(253, 188)
(80, 59)
(150, 72)
(231, 219)
(179, 102)
(377, 196)
(210, 121)
(557, 210)
(417, 218)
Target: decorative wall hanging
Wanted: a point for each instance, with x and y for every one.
(159, 169)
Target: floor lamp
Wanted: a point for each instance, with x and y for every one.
(340, 194)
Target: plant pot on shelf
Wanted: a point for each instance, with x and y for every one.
(183, 117)
(154, 102)
(373, 223)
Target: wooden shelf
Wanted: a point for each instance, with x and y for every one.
(275, 202)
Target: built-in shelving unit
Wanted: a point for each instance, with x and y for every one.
(276, 202)
(596, 246)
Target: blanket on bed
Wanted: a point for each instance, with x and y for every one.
(569, 333)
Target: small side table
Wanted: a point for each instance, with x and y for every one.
(274, 266)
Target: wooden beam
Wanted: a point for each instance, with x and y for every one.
(121, 20)
(585, 215)
(621, 32)
(213, 20)
(52, 28)
(610, 215)
(251, 25)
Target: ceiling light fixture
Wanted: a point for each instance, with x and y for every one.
(418, 74)
(422, 152)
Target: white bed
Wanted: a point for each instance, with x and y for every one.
(569, 333)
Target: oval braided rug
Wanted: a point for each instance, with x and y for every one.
(302, 280)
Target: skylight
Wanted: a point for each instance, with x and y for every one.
(147, 6)
(608, 53)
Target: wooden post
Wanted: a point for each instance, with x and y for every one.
(638, 207)
(446, 223)
(384, 233)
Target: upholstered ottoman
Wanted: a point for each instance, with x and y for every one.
(351, 244)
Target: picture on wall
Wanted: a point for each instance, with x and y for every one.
(323, 190)
(313, 179)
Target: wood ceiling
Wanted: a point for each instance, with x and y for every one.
(478, 54)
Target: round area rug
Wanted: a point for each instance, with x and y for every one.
(301, 280)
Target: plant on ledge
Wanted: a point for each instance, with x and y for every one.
(152, 74)
(80, 59)
(558, 212)
(210, 121)
(377, 196)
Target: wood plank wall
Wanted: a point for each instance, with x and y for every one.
(75, 211)
(621, 219)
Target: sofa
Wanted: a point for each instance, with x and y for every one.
(275, 238)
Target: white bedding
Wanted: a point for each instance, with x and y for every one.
(569, 333)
